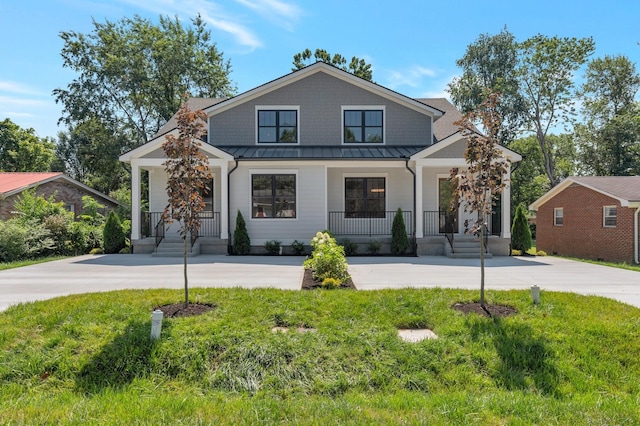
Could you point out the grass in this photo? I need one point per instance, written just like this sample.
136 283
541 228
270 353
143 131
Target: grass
622 265
27 262
88 359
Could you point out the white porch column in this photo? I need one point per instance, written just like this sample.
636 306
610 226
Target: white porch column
135 200
506 205
224 201
418 212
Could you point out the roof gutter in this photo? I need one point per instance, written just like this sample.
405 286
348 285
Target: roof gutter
229 245
415 214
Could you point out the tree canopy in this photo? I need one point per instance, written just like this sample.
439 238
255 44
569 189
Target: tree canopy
356 66
488 66
132 73
21 150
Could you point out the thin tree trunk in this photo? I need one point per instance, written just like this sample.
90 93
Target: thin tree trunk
186 281
482 302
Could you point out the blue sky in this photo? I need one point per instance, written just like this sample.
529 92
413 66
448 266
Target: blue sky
412 44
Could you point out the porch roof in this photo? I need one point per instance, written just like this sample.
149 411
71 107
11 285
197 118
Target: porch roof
321 152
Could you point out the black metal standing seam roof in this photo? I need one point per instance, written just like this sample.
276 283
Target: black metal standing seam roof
272 152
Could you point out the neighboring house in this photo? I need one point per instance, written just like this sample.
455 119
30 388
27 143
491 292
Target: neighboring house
592 217
319 149
48 184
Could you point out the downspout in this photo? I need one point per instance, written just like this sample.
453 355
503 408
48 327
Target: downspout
415 213
635 234
229 246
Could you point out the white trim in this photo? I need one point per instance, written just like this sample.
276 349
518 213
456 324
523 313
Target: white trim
365 175
272 172
382 108
508 154
332 71
605 216
555 216
442 162
295 108
156 143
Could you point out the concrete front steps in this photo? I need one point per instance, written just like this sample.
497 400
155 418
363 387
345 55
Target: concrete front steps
465 247
174 247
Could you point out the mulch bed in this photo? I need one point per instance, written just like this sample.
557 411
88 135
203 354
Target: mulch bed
308 283
178 310
496 311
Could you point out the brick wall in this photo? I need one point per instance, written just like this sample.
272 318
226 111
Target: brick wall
583 234
61 191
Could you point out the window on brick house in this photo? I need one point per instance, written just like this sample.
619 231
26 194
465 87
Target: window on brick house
610 216
558 216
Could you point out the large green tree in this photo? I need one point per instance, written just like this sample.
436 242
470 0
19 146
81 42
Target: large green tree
488 66
21 150
90 151
609 134
546 70
356 66
132 73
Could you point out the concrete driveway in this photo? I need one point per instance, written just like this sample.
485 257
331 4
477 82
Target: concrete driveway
89 273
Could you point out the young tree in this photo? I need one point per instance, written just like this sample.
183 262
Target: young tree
479 183
241 240
188 175
357 66
113 235
399 240
546 71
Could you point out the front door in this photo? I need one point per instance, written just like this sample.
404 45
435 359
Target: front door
448 210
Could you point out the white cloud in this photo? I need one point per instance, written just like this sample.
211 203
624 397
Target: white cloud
18 88
411 77
9 101
281 13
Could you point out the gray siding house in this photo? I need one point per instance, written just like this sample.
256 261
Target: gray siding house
317 149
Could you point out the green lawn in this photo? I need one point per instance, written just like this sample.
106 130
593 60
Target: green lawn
21 263
87 359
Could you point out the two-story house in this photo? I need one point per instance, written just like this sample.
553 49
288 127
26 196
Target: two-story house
318 149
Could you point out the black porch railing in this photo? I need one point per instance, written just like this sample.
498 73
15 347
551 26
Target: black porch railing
440 223
367 223
152 225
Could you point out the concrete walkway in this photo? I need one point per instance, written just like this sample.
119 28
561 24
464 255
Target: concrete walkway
89 273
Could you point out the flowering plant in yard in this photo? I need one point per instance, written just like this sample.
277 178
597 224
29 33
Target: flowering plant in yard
327 259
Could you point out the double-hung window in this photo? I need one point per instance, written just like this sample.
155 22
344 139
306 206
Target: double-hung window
364 197
610 216
363 126
558 216
273 195
277 126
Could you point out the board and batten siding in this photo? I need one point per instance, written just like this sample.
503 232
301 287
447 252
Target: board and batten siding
310 203
320 98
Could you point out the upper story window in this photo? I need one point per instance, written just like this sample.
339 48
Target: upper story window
277 125
558 216
610 216
363 125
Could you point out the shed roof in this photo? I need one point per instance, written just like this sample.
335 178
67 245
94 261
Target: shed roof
321 152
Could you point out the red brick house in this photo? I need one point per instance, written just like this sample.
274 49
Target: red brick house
591 217
55 184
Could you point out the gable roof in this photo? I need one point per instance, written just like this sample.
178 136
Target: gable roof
625 189
12 183
443 127
330 70
194 104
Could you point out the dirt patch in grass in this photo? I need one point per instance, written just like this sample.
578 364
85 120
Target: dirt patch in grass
177 310
499 311
308 283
